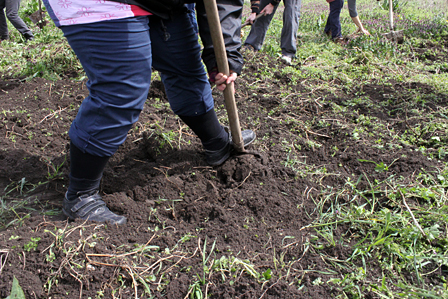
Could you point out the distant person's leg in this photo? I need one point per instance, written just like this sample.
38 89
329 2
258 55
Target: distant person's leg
12 13
4 34
259 28
334 16
230 12
291 16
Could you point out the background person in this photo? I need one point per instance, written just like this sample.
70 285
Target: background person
333 25
355 18
288 39
12 13
230 14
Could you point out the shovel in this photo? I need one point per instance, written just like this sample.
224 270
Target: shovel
393 35
223 67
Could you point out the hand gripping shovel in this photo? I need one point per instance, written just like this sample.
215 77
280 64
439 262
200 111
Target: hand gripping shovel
247 23
223 67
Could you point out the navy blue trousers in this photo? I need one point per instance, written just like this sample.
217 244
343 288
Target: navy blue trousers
333 20
192 16
117 56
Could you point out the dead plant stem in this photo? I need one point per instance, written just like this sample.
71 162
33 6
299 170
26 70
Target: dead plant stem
412 214
262 295
244 180
3 261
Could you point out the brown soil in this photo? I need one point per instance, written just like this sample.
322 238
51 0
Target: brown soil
252 207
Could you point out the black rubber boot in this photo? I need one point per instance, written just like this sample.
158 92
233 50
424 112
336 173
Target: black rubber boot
218 157
82 199
207 127
90 206
216 140
86 171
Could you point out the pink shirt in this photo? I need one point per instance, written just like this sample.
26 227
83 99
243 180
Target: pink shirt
71 12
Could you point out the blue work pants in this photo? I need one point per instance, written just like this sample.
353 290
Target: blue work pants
117 56
333 21
192 16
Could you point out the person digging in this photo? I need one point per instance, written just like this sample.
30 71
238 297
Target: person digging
118 55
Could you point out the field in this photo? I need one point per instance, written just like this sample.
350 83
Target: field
344 193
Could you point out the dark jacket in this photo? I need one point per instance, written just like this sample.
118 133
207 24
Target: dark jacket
161 8
230 16
230 13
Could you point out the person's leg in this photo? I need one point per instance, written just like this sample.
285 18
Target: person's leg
259 28
116 56
192 16
327 29
177 56
291 16
334 16
178 60
12 13
4 34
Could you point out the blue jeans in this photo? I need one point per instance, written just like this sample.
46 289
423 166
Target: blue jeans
117 56
333 20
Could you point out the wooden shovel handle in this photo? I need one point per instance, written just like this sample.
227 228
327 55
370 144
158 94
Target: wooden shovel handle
223 67
391 15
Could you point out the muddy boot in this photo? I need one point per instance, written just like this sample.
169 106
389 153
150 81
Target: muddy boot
218 157
340 41
215 139
82 199
90 206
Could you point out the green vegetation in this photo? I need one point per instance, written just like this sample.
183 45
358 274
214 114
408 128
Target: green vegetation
368 57
392 226
49 56
379 234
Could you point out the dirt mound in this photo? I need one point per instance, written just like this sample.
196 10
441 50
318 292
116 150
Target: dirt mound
234 231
